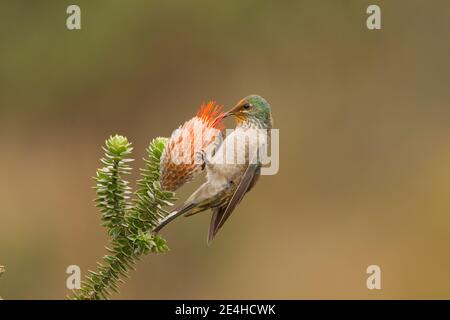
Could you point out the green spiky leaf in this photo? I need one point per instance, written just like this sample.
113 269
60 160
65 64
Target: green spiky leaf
128 222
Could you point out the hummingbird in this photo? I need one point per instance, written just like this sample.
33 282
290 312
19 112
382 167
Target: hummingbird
227 183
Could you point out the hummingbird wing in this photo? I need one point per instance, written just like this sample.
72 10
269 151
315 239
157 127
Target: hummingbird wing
221 214
213 227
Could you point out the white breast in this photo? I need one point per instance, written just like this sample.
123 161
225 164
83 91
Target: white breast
232 157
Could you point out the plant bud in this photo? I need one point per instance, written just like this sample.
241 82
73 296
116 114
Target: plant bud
180 161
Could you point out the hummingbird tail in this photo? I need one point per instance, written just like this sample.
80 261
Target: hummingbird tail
173 215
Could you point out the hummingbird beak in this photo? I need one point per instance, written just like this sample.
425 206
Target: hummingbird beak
227 114
220 118
232 112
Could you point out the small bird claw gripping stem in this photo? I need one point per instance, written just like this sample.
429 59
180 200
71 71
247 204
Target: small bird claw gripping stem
200 158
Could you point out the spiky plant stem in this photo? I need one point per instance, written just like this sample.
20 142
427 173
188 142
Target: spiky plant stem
129 222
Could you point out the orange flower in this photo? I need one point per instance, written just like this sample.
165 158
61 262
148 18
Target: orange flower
179 163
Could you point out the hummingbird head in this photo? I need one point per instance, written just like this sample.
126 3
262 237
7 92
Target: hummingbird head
253 110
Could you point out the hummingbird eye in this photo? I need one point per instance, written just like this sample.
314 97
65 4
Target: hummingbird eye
246 106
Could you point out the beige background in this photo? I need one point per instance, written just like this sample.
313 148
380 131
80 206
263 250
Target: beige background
364 121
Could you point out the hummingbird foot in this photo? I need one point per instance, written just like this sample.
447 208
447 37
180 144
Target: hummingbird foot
200 158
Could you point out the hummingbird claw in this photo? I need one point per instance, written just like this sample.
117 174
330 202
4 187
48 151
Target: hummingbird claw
200 158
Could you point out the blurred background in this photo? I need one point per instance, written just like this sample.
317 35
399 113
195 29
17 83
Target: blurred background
364 119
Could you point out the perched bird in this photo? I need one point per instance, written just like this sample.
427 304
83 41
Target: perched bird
228 181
